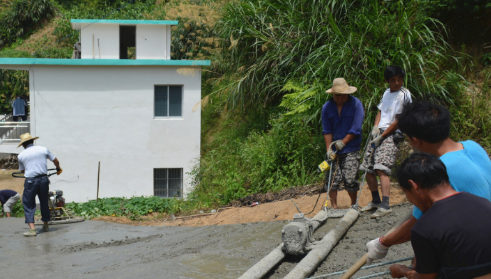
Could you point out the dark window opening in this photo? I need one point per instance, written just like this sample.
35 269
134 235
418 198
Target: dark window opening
127 42
167 183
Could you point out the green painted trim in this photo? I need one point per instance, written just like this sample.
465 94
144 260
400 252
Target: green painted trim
102 62
124 21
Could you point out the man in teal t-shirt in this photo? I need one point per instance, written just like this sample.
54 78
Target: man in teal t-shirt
468 165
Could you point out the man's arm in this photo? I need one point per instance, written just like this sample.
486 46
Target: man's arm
378 247
391 129
399 271
377 119
355 129
57 165
328 140
347 138
401 234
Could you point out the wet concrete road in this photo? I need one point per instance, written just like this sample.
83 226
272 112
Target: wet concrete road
93 249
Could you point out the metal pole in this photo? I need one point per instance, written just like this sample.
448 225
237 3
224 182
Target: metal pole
98 176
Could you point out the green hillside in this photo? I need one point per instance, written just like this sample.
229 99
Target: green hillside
271 62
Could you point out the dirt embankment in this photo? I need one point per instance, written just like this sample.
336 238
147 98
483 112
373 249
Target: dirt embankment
272 207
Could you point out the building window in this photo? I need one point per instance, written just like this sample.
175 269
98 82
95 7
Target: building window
167 183
168 101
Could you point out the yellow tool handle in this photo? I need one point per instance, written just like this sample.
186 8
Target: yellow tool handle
363 260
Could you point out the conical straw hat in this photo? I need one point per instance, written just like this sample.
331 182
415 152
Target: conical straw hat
340 86
26 137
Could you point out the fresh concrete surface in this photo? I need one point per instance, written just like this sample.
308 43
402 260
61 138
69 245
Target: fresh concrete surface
93 249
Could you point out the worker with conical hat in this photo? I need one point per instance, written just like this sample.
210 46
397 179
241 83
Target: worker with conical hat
342 118
33 164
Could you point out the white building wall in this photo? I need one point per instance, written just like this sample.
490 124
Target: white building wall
100 41
152 41
87 114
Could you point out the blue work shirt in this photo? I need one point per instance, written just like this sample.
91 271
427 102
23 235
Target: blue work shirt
5 195
349 122
469 170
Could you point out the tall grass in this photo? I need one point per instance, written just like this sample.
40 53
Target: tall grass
312 42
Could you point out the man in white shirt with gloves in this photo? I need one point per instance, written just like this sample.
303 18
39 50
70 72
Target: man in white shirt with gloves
33 164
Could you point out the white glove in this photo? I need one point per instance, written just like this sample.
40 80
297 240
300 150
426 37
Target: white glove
375 131
376 250
339 145
377 141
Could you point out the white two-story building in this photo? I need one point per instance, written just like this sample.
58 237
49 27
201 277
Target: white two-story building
134 116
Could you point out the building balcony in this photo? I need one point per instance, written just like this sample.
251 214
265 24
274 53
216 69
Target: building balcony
10 132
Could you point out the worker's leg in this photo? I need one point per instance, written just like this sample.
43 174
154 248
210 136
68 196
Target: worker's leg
333 196
384 160
29 203
350 165
43 198
368 163
336 179
384 183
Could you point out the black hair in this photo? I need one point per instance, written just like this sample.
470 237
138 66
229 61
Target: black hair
425 121
26 143
393 71
425 169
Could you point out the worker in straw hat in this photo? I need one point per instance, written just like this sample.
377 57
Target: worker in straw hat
33 164
342 118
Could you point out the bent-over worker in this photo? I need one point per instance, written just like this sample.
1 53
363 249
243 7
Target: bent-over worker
8 198
451 239
342 118
32 162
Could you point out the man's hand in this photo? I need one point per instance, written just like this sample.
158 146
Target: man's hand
377 141
376 250
339 145
375 131
330 155
59 171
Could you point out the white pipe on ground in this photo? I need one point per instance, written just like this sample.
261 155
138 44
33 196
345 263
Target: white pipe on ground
310 262
260 269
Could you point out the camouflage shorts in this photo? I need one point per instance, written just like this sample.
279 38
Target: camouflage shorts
345 172
383 159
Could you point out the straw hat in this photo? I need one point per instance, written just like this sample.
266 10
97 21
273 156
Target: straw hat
340 86
26 137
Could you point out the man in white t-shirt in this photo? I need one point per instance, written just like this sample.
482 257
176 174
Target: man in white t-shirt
33 164
385 140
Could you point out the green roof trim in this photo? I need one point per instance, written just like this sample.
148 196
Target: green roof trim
102 62
125 21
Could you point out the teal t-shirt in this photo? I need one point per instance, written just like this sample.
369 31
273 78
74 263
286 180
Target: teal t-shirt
469 170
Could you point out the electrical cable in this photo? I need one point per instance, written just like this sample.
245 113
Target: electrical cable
328 187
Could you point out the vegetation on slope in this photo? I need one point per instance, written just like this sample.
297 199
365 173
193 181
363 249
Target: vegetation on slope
278 60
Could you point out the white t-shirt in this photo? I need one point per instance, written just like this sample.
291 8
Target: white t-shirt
391 104
33 160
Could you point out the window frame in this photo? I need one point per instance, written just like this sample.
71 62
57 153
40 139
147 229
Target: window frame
167 179
168 103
